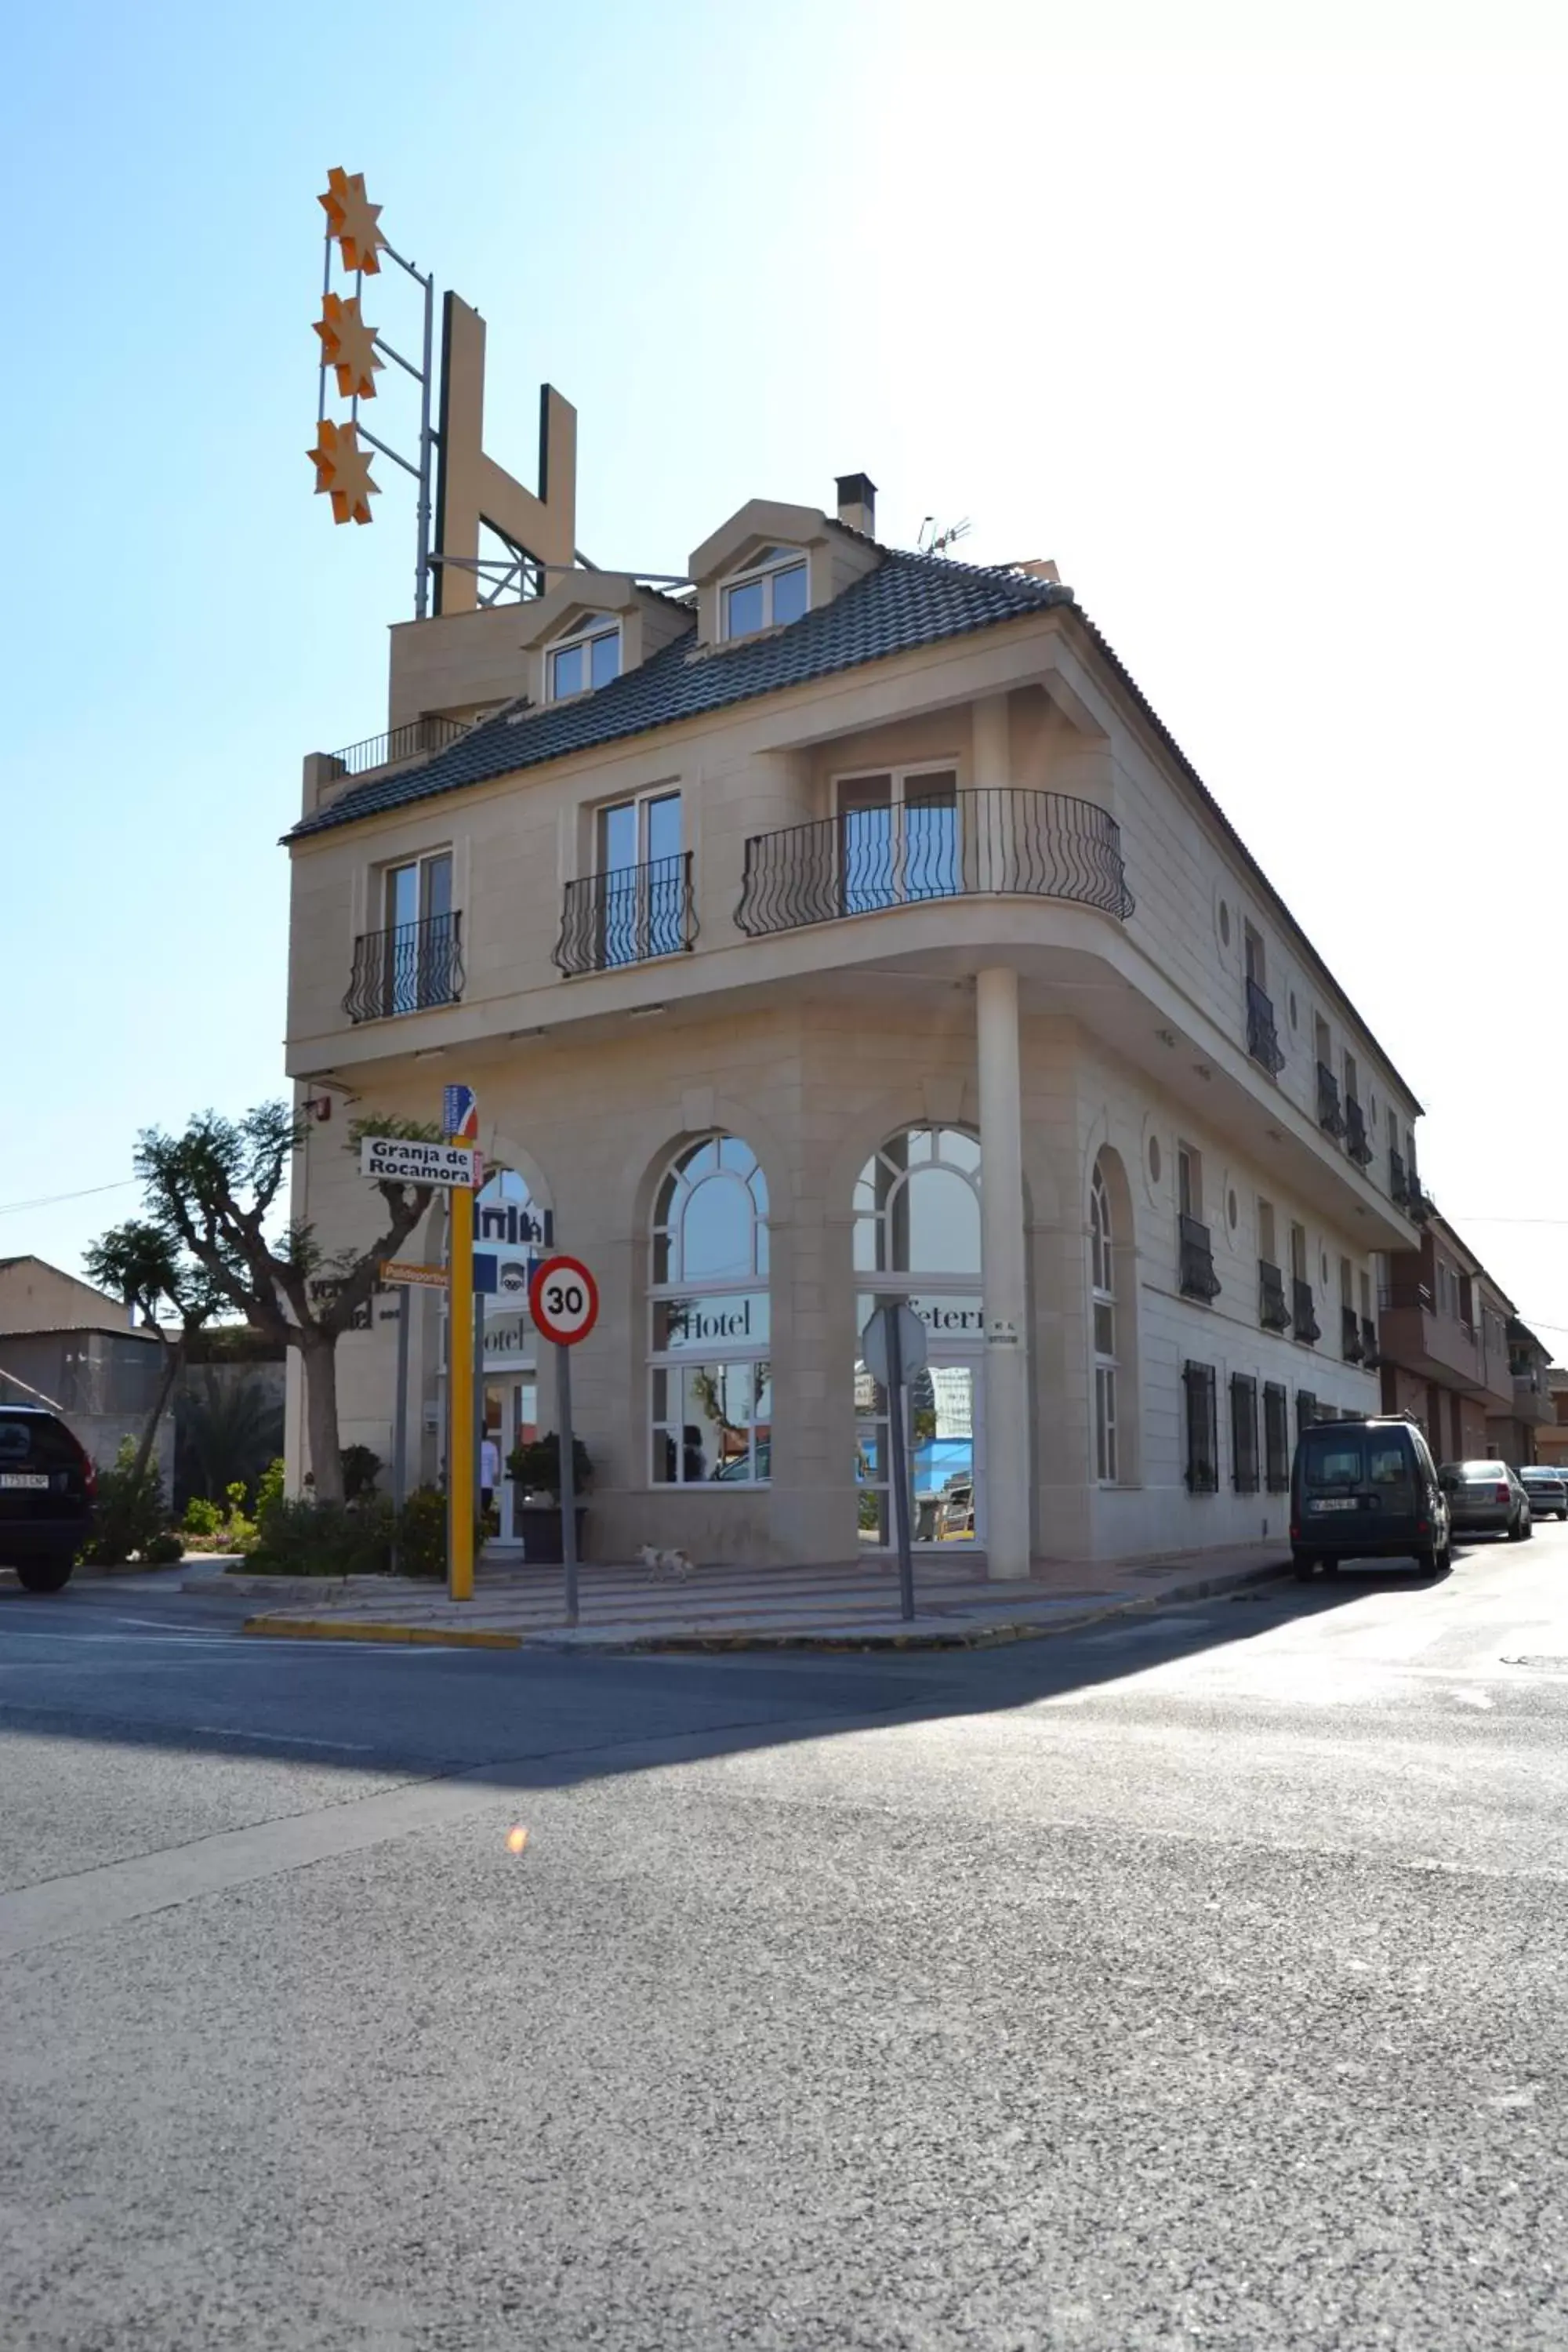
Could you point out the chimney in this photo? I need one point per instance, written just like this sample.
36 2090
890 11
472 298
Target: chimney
857 503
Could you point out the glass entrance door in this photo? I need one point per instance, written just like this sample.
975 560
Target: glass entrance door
945 1448
518 1425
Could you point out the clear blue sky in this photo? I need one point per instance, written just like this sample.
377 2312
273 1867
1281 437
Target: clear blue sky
1262 343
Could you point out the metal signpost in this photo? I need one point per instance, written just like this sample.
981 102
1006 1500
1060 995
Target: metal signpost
458 1169
564 1300
404 1275
892 1346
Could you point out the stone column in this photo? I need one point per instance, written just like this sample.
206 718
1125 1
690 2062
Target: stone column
1002 1278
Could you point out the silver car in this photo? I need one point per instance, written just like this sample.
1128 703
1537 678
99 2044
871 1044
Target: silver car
1486 1498
1548 1492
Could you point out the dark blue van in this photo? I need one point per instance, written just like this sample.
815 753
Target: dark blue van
1366 1488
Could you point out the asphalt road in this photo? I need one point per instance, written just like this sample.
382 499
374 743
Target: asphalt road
1194 1980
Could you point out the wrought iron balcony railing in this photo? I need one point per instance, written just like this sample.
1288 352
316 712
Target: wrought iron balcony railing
1369 1354
415 741
407 968
1003 841
1351 1346
1356 1144
1398 1182
1262 1041
627 915
1273 1311
1302 1312
1421 1205
1198 1278
1331 1117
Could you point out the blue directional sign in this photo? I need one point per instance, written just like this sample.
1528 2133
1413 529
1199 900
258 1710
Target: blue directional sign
460 1114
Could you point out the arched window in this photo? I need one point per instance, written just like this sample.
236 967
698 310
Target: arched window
1102 1280
711 1383
917 1237
917 1206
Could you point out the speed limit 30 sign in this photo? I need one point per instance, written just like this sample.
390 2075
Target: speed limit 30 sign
564 1300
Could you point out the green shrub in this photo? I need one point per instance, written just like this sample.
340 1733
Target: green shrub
268 1491
202 1518
163 1549
130 1510
304 1538
422 1534
536 1466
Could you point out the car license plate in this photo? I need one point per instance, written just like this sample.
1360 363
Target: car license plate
34 1479
1337 1503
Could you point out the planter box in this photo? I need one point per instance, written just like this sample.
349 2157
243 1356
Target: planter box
539 1525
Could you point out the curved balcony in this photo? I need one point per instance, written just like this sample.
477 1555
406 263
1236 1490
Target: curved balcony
407 968
1000 842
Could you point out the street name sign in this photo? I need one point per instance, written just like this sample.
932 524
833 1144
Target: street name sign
397 1269
393 1158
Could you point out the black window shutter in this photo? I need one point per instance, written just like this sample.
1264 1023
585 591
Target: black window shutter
1203 1429
1276 1436
1243 1433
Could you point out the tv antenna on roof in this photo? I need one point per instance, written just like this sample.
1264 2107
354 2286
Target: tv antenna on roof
932 541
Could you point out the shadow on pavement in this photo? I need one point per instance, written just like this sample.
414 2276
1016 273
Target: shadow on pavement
145 1671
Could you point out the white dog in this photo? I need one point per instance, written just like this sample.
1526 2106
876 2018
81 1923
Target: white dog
657 1563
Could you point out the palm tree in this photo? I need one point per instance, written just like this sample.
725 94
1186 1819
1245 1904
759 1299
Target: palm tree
144 1264
228 1431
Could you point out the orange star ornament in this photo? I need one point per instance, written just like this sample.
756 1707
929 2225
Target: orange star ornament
353 218
349 345
343 470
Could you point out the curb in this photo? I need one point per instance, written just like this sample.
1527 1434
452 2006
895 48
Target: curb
959 1637
328 1628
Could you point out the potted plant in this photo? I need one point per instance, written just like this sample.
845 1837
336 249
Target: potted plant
534 1468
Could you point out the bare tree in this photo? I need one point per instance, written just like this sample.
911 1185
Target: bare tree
217 1190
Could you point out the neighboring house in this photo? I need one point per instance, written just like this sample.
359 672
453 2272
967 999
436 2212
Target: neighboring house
1517 1435
1552 1436
1443 1326
848 927
64 1344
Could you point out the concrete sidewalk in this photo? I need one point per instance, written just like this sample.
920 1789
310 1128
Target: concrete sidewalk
851 1607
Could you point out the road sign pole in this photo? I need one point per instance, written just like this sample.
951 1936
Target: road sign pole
460 1398
563 1301
568 1483
478 1403
400 1419
898 1461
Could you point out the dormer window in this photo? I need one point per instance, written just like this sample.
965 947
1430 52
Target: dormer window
770 591
588 655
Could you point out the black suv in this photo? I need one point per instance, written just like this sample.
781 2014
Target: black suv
1366 1488
46 1487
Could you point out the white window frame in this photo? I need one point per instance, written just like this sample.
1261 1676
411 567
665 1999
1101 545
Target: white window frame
642 802
582 634
1193 1158
424 860
763 572
679 1361
400 992
899 782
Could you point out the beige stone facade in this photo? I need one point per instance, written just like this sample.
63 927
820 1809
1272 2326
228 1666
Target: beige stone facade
1035 822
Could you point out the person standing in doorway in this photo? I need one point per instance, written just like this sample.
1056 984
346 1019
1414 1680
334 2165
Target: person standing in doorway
489 1471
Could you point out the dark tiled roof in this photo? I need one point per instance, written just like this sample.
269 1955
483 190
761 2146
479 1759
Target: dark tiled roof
909 601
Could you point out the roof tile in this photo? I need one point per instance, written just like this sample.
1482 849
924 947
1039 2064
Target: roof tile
908 601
